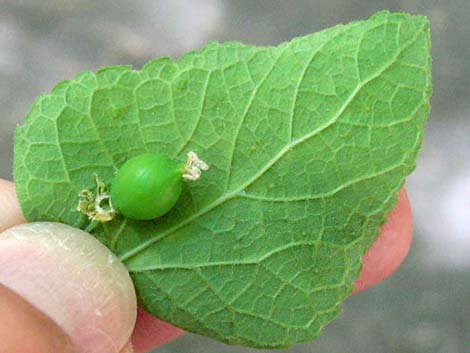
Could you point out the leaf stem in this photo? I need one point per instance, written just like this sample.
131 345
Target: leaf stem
92 225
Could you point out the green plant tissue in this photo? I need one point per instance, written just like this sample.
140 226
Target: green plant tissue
308 144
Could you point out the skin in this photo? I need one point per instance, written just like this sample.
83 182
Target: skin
24 328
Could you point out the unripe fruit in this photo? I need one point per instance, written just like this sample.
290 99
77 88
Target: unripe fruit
147 186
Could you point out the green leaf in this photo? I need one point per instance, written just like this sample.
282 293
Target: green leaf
308 142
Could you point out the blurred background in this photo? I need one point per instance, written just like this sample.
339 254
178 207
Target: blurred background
425 306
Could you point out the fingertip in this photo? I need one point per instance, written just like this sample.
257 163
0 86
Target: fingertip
390 248
72 278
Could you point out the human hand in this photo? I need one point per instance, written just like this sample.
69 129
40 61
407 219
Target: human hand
74 320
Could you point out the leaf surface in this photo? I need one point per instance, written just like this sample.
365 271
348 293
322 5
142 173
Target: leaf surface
308 142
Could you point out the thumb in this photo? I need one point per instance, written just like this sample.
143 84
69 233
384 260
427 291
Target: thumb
72 278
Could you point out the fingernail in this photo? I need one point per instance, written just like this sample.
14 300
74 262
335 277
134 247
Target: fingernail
74 279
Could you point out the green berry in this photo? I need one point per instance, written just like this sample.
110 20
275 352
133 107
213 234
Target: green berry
147 186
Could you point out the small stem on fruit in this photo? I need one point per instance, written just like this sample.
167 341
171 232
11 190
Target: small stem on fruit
91 226
194 166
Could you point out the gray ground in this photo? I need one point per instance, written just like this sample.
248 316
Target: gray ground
425 306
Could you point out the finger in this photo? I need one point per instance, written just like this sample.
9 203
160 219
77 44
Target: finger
150 332
10 211
390 248
72 278
23 328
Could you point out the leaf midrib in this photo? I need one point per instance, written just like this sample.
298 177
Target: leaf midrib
230 195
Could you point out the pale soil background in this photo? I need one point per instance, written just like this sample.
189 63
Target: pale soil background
425 306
